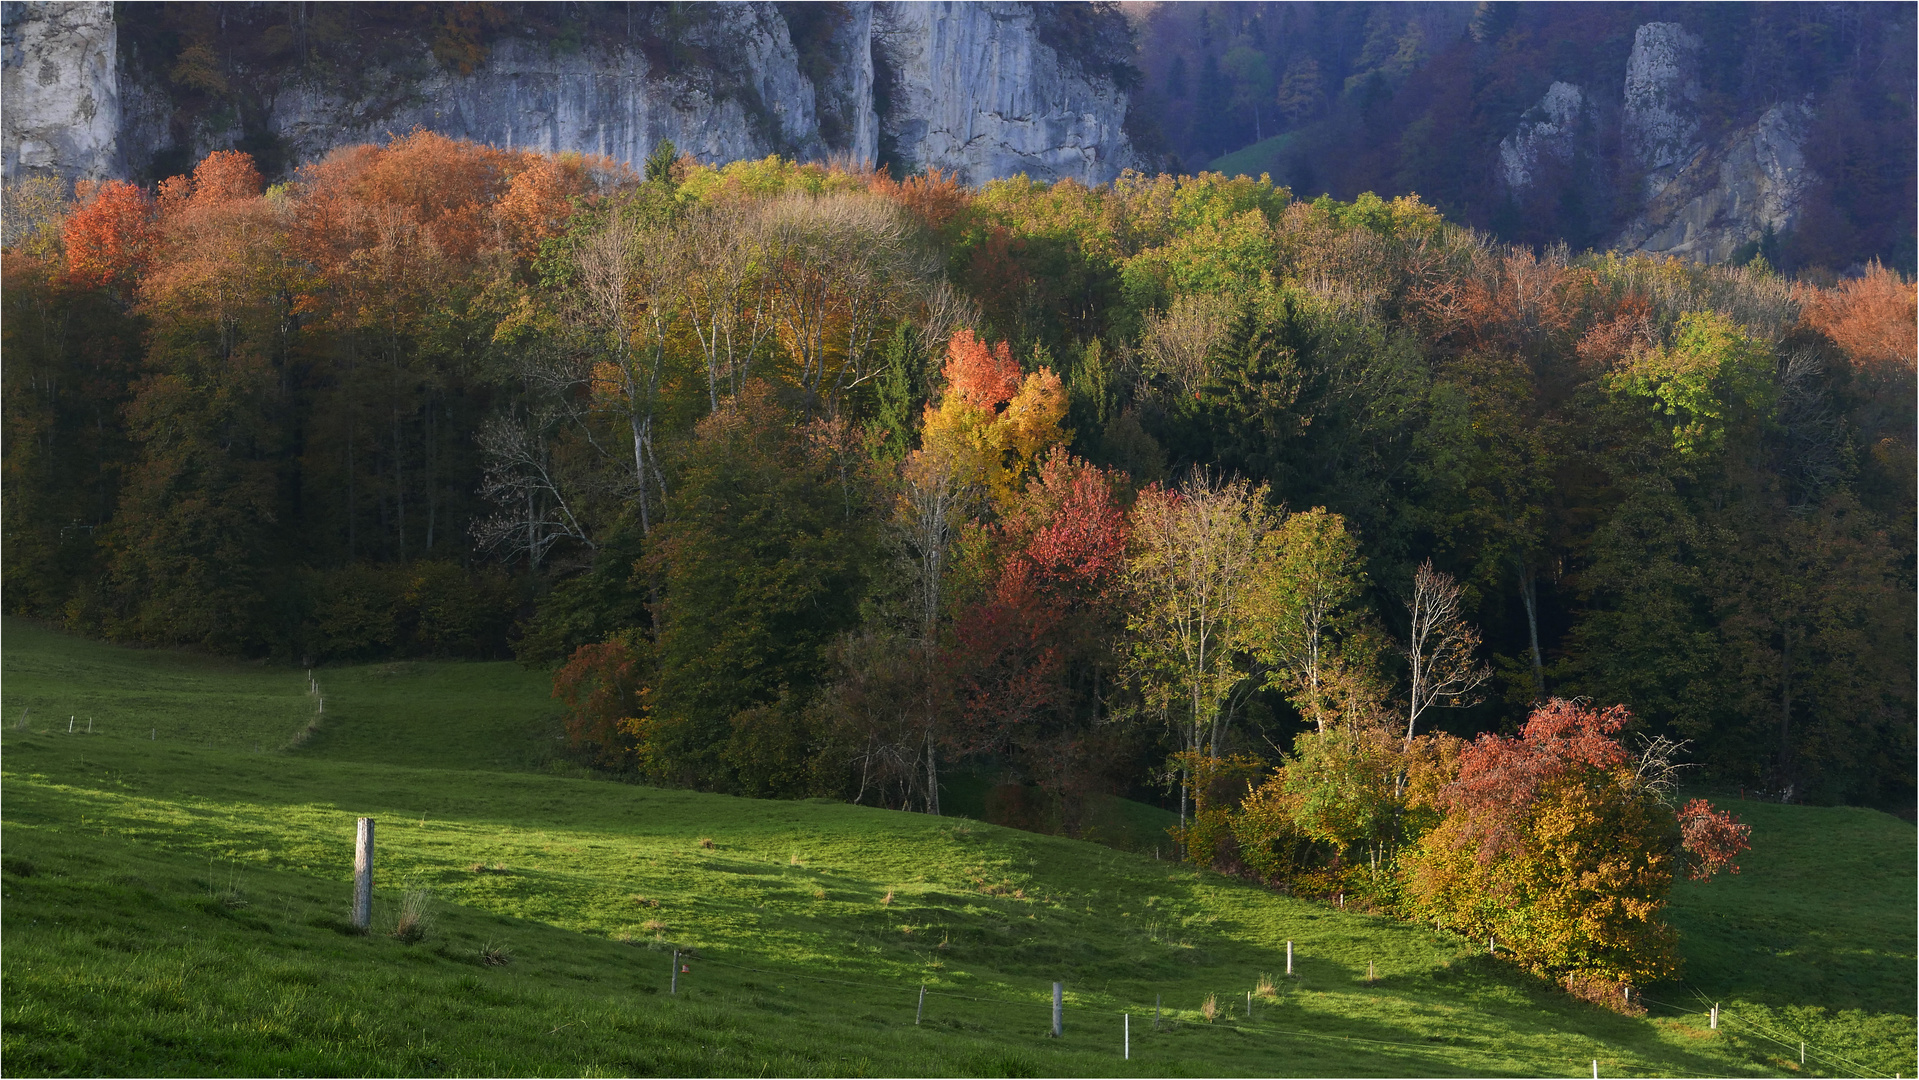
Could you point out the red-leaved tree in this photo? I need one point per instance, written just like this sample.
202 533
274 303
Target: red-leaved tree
1028 661
602 687
982 376
1560 846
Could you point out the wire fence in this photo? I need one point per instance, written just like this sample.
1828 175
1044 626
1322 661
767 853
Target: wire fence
1809 1051
1452 1050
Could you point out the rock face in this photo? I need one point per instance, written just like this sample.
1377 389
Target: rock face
1661 115
1694 199
1721 201
980 95
606 101
970 89
59 93
1545 133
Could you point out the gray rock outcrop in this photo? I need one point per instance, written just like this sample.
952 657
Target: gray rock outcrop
59 94
1723 200
1661 116
1545 133
981 96
972 90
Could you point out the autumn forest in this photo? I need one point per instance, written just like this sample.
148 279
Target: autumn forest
1342 530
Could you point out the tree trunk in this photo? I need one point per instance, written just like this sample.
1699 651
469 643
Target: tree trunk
1529 595
932 779
639 471
1785 711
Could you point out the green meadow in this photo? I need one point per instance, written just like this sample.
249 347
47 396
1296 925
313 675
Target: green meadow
176 889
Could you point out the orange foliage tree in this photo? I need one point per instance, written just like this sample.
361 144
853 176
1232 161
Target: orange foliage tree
1874 318
109 235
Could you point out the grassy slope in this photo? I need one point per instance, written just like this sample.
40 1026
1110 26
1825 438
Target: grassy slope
1253 158
182 916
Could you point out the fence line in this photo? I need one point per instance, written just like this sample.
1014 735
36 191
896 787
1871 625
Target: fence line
1041 998
1762 1032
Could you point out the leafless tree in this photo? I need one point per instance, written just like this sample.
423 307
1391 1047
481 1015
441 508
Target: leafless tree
939 483
946 311
631 282
521 479
845 264
1178 342
728 289
1445 673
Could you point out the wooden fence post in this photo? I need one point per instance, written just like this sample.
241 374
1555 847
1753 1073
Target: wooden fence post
921 1011
363 875
674 987
1059 1001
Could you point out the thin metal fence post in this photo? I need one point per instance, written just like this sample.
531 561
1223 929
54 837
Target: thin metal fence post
921 1011
674 987
1059 1001
1128 1055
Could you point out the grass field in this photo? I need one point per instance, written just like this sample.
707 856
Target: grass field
174 902
1254 158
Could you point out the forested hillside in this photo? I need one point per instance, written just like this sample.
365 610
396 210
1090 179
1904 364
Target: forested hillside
812 481
1438 98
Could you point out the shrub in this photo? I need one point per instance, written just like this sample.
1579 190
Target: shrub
601 686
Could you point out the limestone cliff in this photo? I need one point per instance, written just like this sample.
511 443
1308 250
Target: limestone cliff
1724 200
979 94
1662 100
1705 200
59 95
1546 133
969 87
1691 196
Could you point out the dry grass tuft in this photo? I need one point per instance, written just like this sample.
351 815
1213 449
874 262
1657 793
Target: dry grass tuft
1266 987
653 926
706 842
888 898
1210 1008
416 916
646 902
